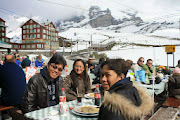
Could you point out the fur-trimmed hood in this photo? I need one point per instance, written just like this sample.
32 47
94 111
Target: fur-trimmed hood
124 106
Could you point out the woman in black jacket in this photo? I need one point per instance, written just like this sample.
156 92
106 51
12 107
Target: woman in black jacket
123 101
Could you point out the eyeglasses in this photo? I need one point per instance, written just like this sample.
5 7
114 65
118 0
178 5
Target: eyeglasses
141 61
79 67
55 67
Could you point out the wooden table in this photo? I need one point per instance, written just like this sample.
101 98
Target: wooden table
165 114
172 102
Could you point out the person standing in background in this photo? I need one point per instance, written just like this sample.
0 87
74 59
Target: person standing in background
26 62
90 63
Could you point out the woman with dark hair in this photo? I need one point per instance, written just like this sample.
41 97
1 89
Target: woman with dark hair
77 82
124 100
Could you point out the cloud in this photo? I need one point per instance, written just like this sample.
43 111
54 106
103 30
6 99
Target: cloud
63 9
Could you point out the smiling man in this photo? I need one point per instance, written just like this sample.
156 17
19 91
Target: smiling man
43 88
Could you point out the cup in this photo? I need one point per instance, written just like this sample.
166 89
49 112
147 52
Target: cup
79 99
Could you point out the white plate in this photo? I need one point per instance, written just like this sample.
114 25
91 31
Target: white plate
75 111
88 96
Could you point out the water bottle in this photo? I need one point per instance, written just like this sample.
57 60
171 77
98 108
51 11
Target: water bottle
97 96
62 102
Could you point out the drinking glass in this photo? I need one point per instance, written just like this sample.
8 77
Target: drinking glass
79 99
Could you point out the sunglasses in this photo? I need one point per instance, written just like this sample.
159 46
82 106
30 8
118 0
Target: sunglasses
55 67
141 61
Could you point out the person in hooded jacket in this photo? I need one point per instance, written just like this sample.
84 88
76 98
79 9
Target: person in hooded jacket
43 88
123 101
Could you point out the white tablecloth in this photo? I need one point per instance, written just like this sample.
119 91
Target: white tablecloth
158 88
45 113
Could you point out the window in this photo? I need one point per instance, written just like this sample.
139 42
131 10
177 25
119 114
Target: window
3 34
34 35
2 28
31 31
44 36
23 46
24 27
27 31
31 21
27 26
38 45
31 26
33 46
38 30
34 30
44 31
24 31
3 39
38 26
34 25
24 36
31 36
15 46
28 46
27 36
38 35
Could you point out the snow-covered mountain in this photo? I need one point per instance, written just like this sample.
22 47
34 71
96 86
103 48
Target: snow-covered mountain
121 21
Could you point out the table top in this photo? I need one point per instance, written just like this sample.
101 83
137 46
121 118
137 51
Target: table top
172 102
158 88
45 113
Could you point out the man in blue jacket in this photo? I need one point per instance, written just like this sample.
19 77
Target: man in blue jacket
12 82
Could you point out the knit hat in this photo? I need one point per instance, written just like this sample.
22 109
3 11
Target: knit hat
176 70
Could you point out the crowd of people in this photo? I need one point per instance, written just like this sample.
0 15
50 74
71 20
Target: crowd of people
117 77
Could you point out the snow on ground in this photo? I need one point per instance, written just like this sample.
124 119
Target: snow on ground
157 54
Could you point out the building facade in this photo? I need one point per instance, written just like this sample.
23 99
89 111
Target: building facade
39 36
2 30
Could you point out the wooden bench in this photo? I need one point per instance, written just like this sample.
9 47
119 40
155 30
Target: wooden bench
172 102
164 114
4 108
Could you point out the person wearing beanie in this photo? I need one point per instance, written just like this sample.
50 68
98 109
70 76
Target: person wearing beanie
174 84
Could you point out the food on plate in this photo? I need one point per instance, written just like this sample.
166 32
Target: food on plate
71 108
91 95
88 109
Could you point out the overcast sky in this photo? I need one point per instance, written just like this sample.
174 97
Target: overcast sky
62 9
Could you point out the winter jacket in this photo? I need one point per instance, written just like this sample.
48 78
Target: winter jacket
13 84
125 102
150 70
39 63
37 95
174 86
25 63
73 82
